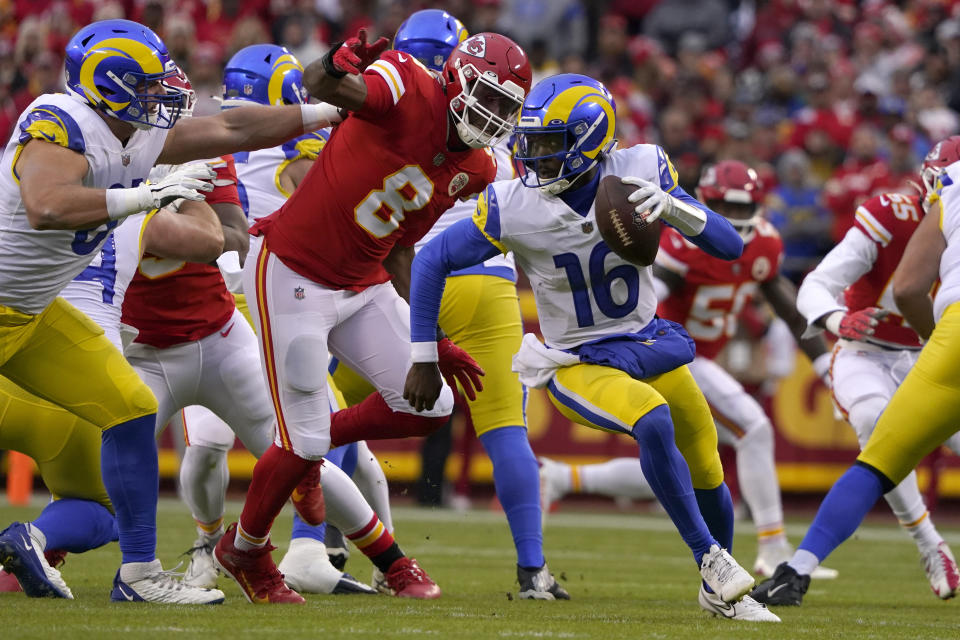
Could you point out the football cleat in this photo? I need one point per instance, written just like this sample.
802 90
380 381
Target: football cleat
769 559
539 584
202 571
162 587
941 570
786 587
552 483
721 572
21 554
306 569
254 571
746 608
307 497
406 579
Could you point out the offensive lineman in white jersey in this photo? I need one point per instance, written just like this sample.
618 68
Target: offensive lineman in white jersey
72 170
610 363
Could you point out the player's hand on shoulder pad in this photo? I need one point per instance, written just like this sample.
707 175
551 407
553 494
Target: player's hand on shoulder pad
856 325
188 181
649 198
456 365
423 385
356 54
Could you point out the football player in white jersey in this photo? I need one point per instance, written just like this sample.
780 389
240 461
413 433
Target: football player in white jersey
609 363
71 172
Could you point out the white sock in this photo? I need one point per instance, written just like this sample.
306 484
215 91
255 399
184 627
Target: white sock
923 532
804 562
134 571
346 508
757 474
620 477
203 483
369 477
246 542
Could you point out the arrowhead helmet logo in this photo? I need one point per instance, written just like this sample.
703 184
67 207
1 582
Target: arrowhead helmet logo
475 46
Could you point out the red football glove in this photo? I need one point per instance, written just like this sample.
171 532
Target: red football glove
859 325
355 54
456 364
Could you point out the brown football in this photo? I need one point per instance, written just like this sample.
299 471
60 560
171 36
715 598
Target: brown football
621 227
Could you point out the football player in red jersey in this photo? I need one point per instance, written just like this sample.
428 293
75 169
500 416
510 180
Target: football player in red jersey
850 294
706 295
321 265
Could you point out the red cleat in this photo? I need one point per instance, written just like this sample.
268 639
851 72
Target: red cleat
55 557
8 583
254 571
307 498
406 579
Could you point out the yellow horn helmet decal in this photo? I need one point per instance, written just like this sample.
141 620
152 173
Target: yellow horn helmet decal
281 66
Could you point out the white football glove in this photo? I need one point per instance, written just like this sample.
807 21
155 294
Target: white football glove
186 181
655 203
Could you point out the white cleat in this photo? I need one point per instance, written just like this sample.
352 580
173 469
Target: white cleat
161 587
202 571
746 609
941 570
728 579
554 477
769 559
307 569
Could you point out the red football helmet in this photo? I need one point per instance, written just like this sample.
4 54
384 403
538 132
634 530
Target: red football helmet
180 83
733 189
943 154
487 77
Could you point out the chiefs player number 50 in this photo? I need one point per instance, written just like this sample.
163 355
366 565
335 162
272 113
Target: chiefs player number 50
715 308
382 211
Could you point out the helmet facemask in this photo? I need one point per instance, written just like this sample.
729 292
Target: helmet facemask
485 110
150 100
552 154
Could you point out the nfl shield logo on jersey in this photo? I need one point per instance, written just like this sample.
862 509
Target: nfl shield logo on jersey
299 293
124 159
587 227
459 182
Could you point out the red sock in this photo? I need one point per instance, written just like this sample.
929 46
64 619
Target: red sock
373 419
275 476
376 543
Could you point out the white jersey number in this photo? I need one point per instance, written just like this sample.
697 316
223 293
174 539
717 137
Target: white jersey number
382 211
709 317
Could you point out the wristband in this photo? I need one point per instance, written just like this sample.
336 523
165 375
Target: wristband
832 323
689 220
423 352
318 116
327 62
125 202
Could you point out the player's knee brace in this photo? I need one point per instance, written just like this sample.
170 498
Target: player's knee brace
863 416
301 365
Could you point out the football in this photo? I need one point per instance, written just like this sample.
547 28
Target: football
621 227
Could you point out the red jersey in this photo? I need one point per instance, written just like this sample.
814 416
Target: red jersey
715 291
169 301
889 220
384 178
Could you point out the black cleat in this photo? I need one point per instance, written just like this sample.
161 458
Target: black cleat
539 584
786 587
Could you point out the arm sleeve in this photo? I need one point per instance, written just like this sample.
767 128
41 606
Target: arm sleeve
460 246
718 238
224 183
820 291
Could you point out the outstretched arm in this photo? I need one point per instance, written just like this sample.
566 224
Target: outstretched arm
336 77
917 271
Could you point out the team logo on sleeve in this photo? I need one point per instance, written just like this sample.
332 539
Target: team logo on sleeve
761 268
459 182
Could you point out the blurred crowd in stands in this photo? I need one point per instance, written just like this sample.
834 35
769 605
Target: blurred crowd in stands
831 101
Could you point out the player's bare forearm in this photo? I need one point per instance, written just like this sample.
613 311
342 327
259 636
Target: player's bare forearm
294 173
51 186
397 263
781 294
244 128
194 234
235 228
348 92
918 271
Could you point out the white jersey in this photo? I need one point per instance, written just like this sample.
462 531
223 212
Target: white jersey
36 265
258 172
100 288
501 265
582 289
949 291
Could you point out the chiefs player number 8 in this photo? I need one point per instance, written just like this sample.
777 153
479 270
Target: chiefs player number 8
382 211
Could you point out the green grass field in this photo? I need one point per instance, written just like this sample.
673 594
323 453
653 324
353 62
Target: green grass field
630 576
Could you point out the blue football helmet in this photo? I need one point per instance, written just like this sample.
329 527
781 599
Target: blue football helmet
117 66
430 36
567 120
265 74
